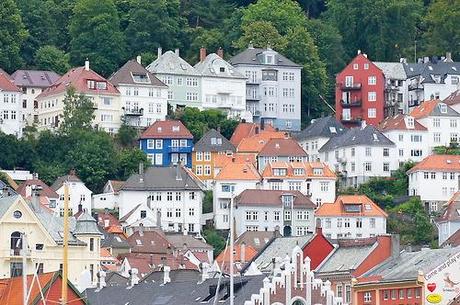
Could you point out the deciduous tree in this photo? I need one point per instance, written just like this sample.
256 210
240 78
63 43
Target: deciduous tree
78 112
51 58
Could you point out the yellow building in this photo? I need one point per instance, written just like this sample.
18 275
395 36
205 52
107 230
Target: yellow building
35 227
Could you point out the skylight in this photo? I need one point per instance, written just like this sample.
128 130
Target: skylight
332 129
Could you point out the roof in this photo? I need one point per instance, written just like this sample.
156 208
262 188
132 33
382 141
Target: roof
163 178
78 79
326 127
238 171
427 70
34 78
45 191
453 98
60 180
452 210
254 56
151 241
147 262
6 203
453 240
399 122
367 136
170 63
345 205
169 129
221 160
116 185
107 220
6 84
213 141
255 143
442 163
124 76
244 130
282 147
179 275
86 225
256 239
432 108
392 70
306 171
215 66
249 253
116 241
265 198
179 240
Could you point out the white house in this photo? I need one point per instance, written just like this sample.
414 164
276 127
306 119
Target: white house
313 179
173 193
140 217
410 137
108 199
10 106
144 98
395 88
230 182
435 179
278 150
80 195
290 212
352 216
449 222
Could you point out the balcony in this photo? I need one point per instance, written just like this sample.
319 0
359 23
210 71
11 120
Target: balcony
253 98
349 87
348 104
133 112
255 112
390 87
351 120
416 86
253 82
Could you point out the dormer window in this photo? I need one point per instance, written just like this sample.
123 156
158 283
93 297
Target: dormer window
317 171
443 108
299 171
175 128
91 84
410 122
222 69
141 78
287 200
101 85
279 172
269 59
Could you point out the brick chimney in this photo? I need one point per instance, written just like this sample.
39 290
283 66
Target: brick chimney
202 54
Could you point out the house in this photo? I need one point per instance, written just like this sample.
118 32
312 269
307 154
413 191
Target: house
289 212
317 134
80 195
287 150
252 145
222 86
409 136
10 106
43 238
411 278
32 83
141 217
359 154
167 142
46 195
233 179
273 90
246 130
452 241
313 179
143 96
206 151
449 221
435 179
352 216
6 190
106 98
442 122
108 199
453 100
183 80
116 244
242 254
173 193
257 239
395 87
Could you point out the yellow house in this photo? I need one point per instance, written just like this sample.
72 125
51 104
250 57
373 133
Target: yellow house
33 227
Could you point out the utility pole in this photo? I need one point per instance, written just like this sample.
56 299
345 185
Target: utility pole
232 237
24 268
65 245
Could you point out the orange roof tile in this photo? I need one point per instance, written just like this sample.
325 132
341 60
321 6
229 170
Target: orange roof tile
442 163
105 254
169 129
257 142
424 109
307 166
282 147
223 159
451 212
398 122
244 130
238 171
6 83
249 252
368 207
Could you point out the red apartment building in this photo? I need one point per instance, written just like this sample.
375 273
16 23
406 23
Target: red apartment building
359 93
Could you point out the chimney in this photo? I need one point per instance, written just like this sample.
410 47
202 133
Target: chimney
426 59
178 175
166 278
449 57
101 280
28 191
220 53
202 54
80 208
365 55
176 51
159 52
87 65
139 59
359 52
36 198
133 278
395 245
243 252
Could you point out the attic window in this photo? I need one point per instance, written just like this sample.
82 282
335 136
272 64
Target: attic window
101 85
213 141
269 59
352 208
317 171
257 241
443 108
141 78
332 129
299 171
175 128
375 137
222 69
410 122
138 242
159 129
367 206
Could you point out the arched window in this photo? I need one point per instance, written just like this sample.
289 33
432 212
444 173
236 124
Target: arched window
16 243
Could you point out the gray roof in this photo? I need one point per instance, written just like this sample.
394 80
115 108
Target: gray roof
178 241
179 275
253 56
6 203
34 78
163 178
450 111
86 225
110 240
346 259
427 70
367 136
326 127
206 143
392 70
116 279
124 75
212 66
170 63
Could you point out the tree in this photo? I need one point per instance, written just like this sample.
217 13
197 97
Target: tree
207 202
261 34
206 13
51 58
215 240
78 112
128 162
126 135
61 11
12 36
95 35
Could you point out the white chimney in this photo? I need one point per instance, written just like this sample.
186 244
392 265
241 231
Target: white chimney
101 284
87 65
133 278
159 52
139 59
166 278
359 52
243 252
176 51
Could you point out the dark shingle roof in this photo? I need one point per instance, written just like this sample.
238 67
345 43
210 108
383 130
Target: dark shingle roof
124 75
253 56
110 240
210 142
427 69
268 198
60 181
34 78
326 127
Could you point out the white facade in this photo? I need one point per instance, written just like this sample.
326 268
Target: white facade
352 226
29 112
442 130
11 113
105 201
78 193
312 147
411 145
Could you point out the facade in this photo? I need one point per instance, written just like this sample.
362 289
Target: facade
141 217
449 221
167 142
80 195
173 193
106 98
143 95
273 91
36 188
108 199
313 179
435 179
290 212
352 216
10 106
32 83
453 100
395 89
279 150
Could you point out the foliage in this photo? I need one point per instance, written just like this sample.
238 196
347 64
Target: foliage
78 112
51 58
207 202
213 238
206 13
126 135
261 34
128 162
447 150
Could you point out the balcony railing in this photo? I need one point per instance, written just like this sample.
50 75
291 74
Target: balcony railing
416 86
134 112
353 86
253 97
351 120
346 104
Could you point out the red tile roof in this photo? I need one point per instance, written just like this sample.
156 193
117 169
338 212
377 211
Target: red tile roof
453 240
442 163
254 144
368 207
224 256
238 171
169 129
245 130
291 166
282 147
452 211
424 109
267 198
221 160
398 122
6 83
152 241
453 98
107 220
45 192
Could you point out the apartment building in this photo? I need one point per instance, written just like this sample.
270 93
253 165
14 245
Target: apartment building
10 106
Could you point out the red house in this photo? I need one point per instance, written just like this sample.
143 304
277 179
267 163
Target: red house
359 93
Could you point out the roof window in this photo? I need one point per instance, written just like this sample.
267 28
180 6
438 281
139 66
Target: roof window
443 108
141 78
175 128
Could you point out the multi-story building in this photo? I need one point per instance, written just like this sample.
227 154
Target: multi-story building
317 134
173 193
108 199
10 106
32 83
291 212
409 136
143 95
206 151
229 183
167 142
183 80
313 179
453 100
449 222
106 99
279 150
79 194
272 88
359 154
435 179
352 216
395 89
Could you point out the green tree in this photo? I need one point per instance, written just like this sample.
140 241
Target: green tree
206 13
51 58
214 239
128 162
12 36
207 202
78 112
212 40
261 34
95 35
61 12
126 135
49 171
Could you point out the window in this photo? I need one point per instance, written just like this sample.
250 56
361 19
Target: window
169 196
437 137
199 156
191 81
416 153
372 80
191 96
347 294
393 294
417 293
158 144
368 166
401 293
401 152
39 268
453 136
143 214
287 215
372 96
178 212
367 297
452 176
324 186
368 151
386 152
352 151
433 175
327 223
277 216
159 159
372 113
178 196
366 66
355 66
251 215
386 167
91 244
191 227
302 215
409 293
359 223
436 122
169 212
207 156
207 170
16 269
453 123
